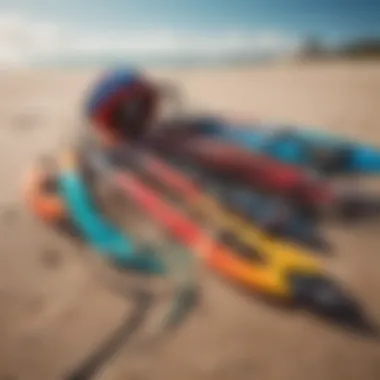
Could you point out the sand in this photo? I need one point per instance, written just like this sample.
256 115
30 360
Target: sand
55 299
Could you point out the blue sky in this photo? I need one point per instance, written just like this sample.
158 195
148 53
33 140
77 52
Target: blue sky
245 23
327 18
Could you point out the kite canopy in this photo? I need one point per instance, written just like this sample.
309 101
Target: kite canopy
121 104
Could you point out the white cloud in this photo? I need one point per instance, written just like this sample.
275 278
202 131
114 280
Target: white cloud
23 40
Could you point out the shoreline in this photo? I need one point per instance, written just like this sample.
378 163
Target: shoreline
289 62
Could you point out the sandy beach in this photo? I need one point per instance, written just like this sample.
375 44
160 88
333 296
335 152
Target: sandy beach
55 299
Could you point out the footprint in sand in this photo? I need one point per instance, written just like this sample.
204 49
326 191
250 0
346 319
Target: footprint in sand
26 121
51 258
8 214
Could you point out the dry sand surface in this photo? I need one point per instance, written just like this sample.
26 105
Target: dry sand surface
55 304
